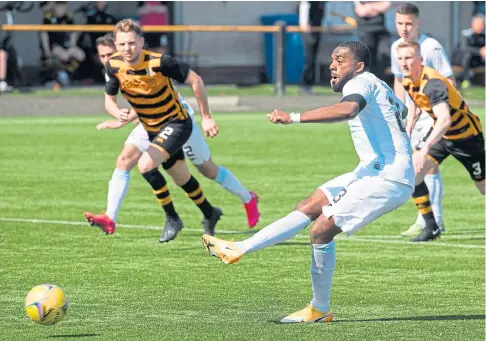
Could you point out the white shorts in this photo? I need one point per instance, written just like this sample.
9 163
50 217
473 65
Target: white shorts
422 126
355 202
196 149
421 129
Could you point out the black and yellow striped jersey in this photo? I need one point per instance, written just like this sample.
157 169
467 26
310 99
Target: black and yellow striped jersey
148 87
433 89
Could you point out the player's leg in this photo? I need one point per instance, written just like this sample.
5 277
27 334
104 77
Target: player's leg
481 185
355 206
176 167
167 142
281 230
434 183
197 150
432 180
136 143
437 154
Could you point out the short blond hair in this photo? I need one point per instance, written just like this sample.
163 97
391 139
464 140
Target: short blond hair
412 44
127 25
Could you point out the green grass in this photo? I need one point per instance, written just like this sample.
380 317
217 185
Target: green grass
474 93
130 287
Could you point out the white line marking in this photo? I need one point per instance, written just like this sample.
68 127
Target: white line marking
148 227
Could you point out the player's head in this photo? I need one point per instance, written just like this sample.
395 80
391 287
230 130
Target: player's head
407 22
347 60
128 40
105 45
477 24
409 59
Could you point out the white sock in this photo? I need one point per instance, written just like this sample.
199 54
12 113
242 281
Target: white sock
229 182
322 269
275 233
117 189
435 186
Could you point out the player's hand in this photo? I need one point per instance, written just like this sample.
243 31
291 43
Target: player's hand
111 124
279 117
419 158
210 127
122 114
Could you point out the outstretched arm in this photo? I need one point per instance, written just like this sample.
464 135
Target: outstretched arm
335 113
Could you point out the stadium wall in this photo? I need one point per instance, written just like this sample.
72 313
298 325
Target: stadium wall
245 51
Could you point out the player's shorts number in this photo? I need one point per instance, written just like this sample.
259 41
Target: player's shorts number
477 168
166 132
339 195
188 151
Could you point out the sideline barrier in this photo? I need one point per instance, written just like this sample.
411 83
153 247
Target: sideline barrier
279 42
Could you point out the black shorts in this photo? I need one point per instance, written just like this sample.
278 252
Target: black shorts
469 152
171 139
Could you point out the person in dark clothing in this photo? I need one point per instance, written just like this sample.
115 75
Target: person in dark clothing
472 52
96 14
370 16
311 14
61 45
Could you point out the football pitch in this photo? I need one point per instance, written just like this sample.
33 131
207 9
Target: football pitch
130 287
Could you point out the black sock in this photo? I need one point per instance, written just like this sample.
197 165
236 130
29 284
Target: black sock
159 187
421 198
195 193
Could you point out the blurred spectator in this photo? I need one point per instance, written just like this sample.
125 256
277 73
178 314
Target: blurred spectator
61 45
370 16
96 14
479 8
4 87
311 14
154 13
472 50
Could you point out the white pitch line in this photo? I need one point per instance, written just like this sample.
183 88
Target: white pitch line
148 227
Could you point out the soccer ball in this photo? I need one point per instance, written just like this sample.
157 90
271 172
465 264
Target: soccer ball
46 304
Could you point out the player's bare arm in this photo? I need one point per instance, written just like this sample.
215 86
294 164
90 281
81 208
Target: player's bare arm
441 111
412 118
207 122
117 124
335 113
112 108
399 89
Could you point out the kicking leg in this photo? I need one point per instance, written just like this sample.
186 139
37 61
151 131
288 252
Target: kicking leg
281 230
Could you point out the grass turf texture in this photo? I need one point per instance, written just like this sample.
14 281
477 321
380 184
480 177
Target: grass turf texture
130 287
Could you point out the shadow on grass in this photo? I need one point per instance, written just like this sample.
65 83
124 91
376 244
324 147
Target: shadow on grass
74 335
411 318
